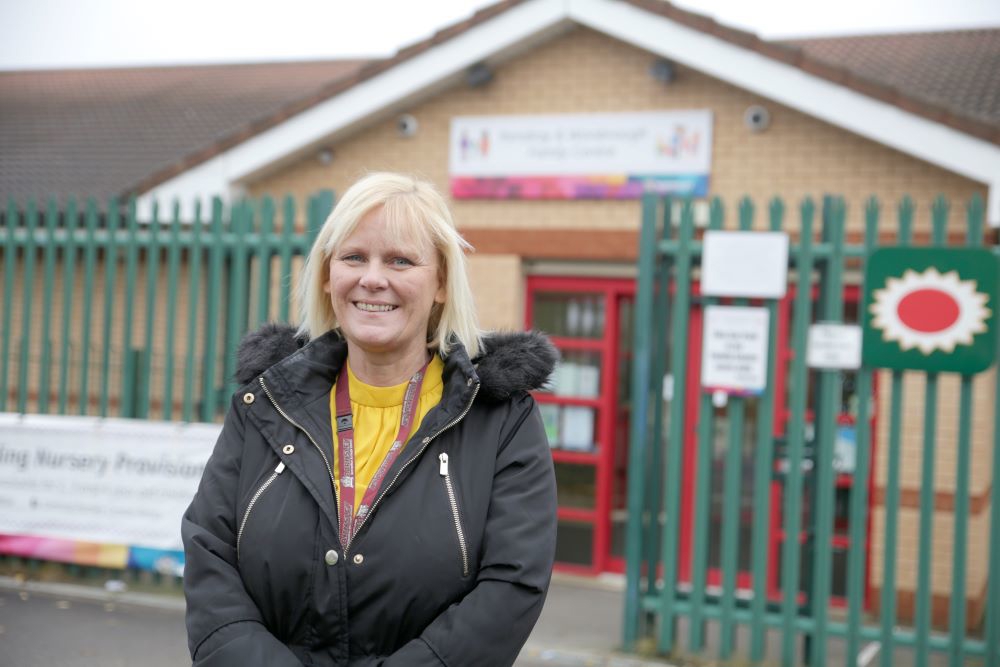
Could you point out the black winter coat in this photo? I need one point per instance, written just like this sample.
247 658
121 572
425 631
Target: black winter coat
448 569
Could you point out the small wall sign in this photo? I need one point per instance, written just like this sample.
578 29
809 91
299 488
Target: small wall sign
734 349
932 309
833 346
750 264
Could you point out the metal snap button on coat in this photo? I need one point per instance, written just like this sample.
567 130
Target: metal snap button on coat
288 449
331 557
248 398
358 559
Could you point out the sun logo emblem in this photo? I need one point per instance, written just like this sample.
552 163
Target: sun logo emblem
929 311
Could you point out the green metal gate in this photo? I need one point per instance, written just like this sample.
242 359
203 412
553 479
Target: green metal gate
799 625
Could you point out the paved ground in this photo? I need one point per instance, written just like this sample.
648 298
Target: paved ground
42 625
46 625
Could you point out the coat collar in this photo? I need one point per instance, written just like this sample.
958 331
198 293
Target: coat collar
511 362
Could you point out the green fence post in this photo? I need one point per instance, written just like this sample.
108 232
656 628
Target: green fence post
858 513
127 408
939 215
194 292
888 606
959 566
238 291
49 248
110 269
797 387
703 485
830 381
69 280
210 397
675 440
173 276
763 466
263 251
145 389
9 262
285 275
992 623
652 537
28 298
638 427
90 260
732 490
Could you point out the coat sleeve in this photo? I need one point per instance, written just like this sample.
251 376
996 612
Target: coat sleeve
489 626
223 623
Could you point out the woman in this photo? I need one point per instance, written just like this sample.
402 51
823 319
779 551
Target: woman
383 494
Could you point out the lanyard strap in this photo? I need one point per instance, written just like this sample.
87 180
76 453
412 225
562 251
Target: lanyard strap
345 436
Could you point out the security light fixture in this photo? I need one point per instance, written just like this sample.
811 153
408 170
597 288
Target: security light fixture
663 70
478 75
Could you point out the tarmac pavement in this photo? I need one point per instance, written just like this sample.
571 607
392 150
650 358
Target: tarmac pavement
70 625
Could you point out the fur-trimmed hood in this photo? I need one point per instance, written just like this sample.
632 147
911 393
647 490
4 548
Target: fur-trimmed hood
509 362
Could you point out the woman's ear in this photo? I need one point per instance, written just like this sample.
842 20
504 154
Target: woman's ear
326 275
442 292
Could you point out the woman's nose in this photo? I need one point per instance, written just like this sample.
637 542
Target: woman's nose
374 276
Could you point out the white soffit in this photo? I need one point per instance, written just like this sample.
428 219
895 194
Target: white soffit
884 123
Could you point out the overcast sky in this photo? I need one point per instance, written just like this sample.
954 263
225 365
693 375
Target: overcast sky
94 33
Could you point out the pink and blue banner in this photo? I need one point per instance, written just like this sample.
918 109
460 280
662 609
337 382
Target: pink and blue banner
581 156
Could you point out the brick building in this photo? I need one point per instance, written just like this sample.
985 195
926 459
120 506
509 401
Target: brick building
889 115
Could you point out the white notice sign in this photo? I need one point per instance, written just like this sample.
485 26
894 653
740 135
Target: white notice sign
834 346
734 349
750 264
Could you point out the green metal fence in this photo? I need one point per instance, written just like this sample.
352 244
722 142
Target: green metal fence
106 314
750 623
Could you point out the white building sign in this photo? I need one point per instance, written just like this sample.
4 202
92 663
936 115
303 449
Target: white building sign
581 156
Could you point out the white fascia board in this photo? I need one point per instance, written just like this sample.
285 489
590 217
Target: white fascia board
216 176
838 105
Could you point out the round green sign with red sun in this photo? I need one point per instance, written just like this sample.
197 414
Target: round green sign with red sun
932 309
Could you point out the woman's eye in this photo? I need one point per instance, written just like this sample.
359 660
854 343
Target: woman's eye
402 261
351 258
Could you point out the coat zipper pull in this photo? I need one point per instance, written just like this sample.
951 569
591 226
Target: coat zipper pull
443 458
280 468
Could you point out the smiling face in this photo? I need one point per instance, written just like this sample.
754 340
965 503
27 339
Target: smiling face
382 291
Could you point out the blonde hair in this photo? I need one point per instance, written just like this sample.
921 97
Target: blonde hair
414 211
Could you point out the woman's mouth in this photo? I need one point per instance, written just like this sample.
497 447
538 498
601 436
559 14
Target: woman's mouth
374 307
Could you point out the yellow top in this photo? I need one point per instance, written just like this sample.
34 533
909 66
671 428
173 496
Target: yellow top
376 413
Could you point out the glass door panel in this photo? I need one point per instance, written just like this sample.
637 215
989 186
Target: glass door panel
569 314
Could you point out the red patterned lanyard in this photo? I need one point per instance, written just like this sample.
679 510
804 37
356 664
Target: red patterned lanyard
345 437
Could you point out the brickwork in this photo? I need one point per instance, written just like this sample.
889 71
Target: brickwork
498 285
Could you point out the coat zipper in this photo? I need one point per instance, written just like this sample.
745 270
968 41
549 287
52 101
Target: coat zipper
253 501
443 458
423 445
294 423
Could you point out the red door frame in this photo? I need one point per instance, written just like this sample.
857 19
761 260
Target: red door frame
606 405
